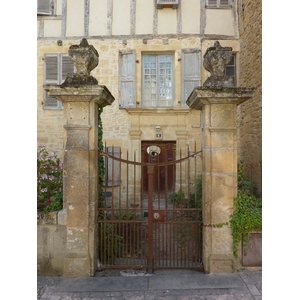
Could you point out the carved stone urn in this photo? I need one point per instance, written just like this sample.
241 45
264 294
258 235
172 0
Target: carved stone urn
85 58
215 61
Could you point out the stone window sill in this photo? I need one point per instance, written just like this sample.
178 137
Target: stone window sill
220 7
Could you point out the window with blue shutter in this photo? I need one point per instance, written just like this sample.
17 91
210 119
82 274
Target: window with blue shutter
190 72
218 3
127 79
56 68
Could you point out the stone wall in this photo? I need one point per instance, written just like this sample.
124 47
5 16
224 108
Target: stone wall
250 74
51 243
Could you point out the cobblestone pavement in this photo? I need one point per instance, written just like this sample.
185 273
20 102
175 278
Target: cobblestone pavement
164 284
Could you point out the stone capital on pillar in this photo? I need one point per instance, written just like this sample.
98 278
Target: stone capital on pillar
219 169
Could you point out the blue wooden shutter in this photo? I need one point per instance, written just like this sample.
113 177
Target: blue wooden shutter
66 67
224 2
127 79
190 72
44 7
51 76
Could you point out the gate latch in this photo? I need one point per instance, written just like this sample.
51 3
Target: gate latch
158 215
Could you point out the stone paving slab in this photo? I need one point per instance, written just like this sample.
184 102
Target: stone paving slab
103 284
195 281
164 285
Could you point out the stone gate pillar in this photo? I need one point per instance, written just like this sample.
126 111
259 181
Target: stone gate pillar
81 95
218 102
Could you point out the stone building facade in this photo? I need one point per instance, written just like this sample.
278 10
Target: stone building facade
127 33
250 74
150 59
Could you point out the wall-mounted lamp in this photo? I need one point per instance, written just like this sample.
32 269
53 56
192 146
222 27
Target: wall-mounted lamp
157 127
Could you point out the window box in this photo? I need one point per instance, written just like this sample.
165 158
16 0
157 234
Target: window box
167 4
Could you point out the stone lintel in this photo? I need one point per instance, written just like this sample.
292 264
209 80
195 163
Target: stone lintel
97 93
158 111
201 96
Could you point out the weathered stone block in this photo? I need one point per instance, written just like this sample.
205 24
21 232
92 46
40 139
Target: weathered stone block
77 214
223 161
51 245
76 189
77 242
222 241
76 162
77 139
222 139
223 115
221 264
76 267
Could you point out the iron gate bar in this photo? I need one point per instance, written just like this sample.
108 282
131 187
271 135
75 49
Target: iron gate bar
161 230
101 153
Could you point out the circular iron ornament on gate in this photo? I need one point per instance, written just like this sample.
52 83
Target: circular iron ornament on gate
153 150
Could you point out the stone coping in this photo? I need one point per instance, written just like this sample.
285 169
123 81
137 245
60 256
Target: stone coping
98 93
51 218
202 95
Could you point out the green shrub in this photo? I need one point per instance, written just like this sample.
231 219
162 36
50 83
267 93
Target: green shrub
247 215
177 197
199 194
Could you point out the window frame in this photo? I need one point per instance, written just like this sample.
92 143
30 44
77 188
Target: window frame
158 54
218 5
160 4
192 78
58 81
52 9
234 55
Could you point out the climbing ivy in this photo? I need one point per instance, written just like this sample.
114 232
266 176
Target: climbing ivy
247 215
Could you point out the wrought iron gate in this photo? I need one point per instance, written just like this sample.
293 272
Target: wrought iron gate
147 230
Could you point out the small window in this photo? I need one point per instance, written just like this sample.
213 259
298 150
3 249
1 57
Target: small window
218 3
56 68
45 7
157 86
113 167
231 69
167 4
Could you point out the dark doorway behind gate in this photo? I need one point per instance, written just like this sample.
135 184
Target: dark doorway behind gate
164 177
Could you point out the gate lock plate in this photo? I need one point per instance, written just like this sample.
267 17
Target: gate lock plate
158 215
